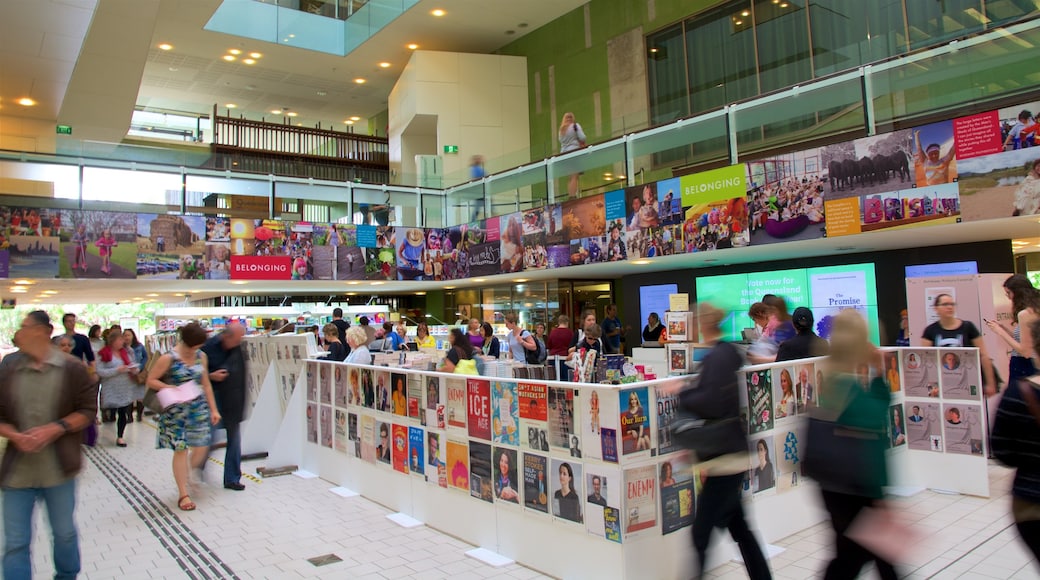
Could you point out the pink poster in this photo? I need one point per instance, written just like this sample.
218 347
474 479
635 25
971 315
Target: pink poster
977 135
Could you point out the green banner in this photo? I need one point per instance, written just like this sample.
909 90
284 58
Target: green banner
715 185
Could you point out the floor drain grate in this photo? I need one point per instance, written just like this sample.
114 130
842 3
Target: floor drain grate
325 560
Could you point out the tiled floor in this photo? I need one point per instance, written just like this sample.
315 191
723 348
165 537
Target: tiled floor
272 528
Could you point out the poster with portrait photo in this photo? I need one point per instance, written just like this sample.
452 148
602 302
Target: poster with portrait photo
634 414
602 498
326 426
410 248
416 451
534 406
617 248
506 476
312 381
368 438
324 383
433 399
760 401
340 440
456 403
677 497
963 427
511 242
896 426
598 408
563 416
924 426
763 465
786 408
383 400
806 388
458 465
435 460
384 433
641 207
934 154
368 389
312 422
566 480
481 481
399 448
505 413
891 361
536 483
340 387
959 374
399 394
920 373
639 513
667 407
788 442
478 407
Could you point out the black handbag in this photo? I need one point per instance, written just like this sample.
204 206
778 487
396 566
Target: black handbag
836 456
706 438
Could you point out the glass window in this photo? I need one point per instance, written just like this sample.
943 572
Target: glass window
666 70
1000 12
847 35
782 32
720 49
932 23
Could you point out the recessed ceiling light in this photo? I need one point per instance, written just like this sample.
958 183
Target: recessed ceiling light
322 93
248 61
520 280
353 283
360 81
783 4
620 176
235 51
255 55
238 282
745 13
355 118
231 106
152 295
349 122
449 287
739 22
229 57
653 50
413 46
276 112
291 114
420 294
351 293
378 283
24 282
384 65
641 262
480 279
165 46
26 102
438 12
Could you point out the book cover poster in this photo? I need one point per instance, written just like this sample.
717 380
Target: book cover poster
368 438
384 442
326 426
481 482
763 465
783 394
891 360
312 382
416 451
456 407
340 440
599 408
432 401
478 408
312 422
458 465
602 493
789 443
806 388
536 483
534 407
635 421
920 373
896 425
566 481
343 391
435 460
640 509
399 394
667 406
415 396
962 423
324 375
608 444
562 417
760 401
368 389
507 484
505 413
959 374
354 434
383 401
923 426
677 502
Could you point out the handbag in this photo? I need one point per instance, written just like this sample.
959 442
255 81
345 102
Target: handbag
835 456
151 401
466 366
707 438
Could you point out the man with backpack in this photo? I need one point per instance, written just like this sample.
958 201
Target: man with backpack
522 344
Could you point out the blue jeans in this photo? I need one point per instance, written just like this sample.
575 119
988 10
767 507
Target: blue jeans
18 516
233 451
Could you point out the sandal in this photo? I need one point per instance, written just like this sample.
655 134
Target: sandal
186 506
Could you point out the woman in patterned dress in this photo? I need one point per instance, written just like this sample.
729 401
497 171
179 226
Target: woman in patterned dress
186 425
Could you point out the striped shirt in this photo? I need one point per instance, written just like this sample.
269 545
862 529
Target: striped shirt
1016 440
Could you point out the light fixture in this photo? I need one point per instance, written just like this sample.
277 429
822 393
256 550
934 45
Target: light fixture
351 293
378 283
745 13
739 22
450 288
413 46
152 295
26 102
783 4
248 61
276 111
353 283
438 12
231 106
653 50
355 118
384 65
255 55
229 57
24 282
349 122
520 280
238 282
480 279
641 262
235 51
360 81
166 46
420 294
291 114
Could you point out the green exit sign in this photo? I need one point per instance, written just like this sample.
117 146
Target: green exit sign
64 129
451 148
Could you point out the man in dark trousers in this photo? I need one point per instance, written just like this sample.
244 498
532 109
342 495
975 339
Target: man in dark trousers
227 373
341 326
81 348
46 400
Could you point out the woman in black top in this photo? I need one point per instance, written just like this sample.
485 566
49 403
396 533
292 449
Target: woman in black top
653 329
952 332
491 344
337 350
461 349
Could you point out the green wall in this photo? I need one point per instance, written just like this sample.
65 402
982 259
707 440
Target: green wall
581 71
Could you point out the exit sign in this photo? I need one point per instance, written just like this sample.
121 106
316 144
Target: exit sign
64 129
451 148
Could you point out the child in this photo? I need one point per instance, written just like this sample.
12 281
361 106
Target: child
299 269
105 244
79 242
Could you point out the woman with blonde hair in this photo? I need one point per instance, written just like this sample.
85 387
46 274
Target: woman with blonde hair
571 138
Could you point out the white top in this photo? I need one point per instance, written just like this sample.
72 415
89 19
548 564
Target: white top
572 138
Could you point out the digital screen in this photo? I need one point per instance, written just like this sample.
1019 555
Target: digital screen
947 269
654 299
825 291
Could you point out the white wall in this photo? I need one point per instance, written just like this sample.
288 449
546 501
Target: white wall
480 104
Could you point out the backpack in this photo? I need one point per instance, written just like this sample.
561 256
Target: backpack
536 356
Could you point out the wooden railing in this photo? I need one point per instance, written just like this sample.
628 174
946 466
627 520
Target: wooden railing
282 149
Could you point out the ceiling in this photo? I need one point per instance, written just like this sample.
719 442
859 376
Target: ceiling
1023 228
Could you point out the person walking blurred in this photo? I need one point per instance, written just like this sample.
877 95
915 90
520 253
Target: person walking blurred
227 371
